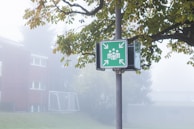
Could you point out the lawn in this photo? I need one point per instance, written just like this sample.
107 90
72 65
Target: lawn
49 121
62 121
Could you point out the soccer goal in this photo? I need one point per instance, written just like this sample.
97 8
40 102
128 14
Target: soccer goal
63 101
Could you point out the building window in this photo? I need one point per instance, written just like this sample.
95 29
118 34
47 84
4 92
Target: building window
0 68
37 86
35 108
38 60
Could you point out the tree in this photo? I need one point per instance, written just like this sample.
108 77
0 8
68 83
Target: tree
97 92
149 21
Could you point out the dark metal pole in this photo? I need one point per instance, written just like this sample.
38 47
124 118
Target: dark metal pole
118 19
118 71
118 100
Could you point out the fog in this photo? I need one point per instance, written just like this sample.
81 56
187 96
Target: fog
37 91
34 81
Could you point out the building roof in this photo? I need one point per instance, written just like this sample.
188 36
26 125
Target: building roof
8 41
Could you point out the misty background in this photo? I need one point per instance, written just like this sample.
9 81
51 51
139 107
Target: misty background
163 95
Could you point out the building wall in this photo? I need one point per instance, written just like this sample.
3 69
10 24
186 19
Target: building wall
38 79
26 77
18 75
14 77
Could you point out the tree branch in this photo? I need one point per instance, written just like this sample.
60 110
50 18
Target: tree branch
75 5
187 35
84 10
88 53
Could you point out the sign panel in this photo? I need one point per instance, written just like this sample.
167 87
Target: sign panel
114 54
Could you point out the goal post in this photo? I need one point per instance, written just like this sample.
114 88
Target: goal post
63 101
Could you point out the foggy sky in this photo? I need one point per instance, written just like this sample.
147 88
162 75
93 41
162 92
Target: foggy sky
171 74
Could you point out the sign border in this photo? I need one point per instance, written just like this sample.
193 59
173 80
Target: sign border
126 53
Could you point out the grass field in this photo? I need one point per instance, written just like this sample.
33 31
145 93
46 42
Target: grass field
62 121
48 121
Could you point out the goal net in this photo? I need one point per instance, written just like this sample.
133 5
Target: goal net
63 101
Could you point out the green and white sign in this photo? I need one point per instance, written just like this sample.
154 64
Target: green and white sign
114 54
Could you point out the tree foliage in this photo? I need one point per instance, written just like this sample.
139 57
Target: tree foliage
149 21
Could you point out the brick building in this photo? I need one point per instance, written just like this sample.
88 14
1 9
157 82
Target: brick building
27 77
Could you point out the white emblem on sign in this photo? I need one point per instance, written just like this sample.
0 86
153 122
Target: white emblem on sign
113 54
